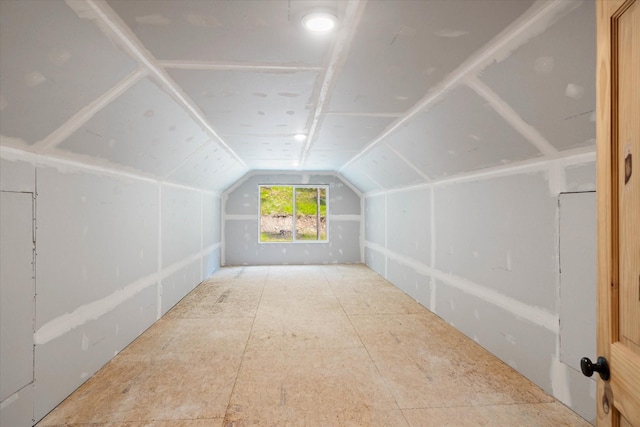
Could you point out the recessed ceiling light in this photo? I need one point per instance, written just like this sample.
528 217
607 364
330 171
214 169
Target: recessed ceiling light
319 21
300 136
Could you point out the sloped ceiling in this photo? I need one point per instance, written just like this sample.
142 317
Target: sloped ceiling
200 92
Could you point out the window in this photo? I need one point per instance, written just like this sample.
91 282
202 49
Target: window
291 213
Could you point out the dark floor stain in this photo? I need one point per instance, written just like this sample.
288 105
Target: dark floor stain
223 297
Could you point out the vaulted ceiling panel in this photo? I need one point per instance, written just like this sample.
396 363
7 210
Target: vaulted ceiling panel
356 175
403 48
341 137
211 167
557 73
327 160
237 31
459 134
53 64
349 133
387 168
255 150
251 103
200 91
143 129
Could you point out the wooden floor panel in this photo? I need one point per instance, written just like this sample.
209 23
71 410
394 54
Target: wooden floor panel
305 346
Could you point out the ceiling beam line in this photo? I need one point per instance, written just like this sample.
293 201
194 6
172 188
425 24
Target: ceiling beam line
505 111
352 16
76 121
538 18
237 66
125 36
409 163
362 114
198 150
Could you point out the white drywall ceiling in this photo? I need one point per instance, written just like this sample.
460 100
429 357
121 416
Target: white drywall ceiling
200 92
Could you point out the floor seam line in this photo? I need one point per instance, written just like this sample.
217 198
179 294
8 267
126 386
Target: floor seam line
367 350
244 351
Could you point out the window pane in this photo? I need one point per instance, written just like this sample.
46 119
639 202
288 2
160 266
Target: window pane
276 214
311 214
323 213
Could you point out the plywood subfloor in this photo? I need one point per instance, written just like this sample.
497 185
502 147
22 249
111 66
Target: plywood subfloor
305 346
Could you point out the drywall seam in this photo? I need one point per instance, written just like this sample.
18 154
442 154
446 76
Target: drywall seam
211 193
241 182
432 227
14 397
536 20
519 309
559 376
386 220
239 217
201 235
380 186
386 228
362 114
406 189
17 143
558 373
250 174
510 116
230 66
63 324
345 217
188 188
408 162
527 166
189 157
179 265
348 184
208 249
223 221
557 178
65 165
362 229
159 286
86 113
107 17
433 296
91 311
350 21
432 261
579 159
583 155
431 97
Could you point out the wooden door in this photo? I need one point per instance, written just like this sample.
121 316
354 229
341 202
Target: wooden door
618 132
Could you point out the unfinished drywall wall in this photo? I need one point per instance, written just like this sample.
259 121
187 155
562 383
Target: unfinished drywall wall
577 306
211 232
17 307
469 225
114 252
482 252
241 224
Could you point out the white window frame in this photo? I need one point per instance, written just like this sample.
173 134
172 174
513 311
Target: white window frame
293 225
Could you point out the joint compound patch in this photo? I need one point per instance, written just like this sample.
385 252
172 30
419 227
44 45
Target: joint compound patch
544 65
34 79
574 91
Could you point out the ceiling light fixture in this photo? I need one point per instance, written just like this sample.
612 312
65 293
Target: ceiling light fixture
320 22
300 137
